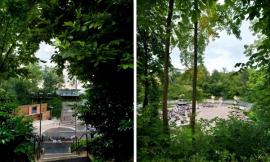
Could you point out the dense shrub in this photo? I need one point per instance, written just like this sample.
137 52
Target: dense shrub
216 140
15 132
152 142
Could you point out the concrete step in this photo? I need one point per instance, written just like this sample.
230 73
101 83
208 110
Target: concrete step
63 157
68 120
68 124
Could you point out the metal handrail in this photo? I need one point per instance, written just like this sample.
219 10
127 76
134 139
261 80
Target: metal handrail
75 142
38 149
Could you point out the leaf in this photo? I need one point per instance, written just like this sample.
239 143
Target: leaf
69 24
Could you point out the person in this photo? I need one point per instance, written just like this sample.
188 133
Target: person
92 130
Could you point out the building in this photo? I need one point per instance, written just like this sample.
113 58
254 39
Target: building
69 93
34 111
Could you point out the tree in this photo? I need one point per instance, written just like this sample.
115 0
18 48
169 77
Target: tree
166 66
15 132
150 49
20 87
259 14
181 85
95 39
258 53
151 20
195 70
56 106
18 42
206 17
51 80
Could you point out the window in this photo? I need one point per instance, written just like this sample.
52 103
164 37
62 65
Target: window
34 110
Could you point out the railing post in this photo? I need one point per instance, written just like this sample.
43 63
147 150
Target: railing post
86 140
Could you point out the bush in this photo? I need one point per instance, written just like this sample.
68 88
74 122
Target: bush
152 142
56 104
96 148
81 145
217 140
15 132
245 139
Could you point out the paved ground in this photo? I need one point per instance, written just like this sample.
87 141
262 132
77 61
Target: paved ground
67 118
56 132
59 132
221 111
206 110
66 121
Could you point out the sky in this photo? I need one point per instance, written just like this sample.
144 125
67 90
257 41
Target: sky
45 53
223 52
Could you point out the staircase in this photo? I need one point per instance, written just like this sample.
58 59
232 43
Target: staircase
60 152
63 157
67 117
69 123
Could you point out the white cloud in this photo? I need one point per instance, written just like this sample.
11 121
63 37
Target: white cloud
222 60
45 53
224 52
175 59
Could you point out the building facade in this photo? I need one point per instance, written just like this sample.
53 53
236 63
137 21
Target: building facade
35 111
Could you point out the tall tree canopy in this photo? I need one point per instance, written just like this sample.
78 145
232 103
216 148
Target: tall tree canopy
94 39
194 23
18 40
51 79
18 43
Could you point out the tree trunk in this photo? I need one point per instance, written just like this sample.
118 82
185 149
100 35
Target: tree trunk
166 67
194 81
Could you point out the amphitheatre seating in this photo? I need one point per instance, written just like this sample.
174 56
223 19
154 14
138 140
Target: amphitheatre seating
178 115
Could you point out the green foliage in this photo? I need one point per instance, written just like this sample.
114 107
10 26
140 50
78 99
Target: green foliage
211 16
100 147
216 140
55 105
15 132
226 84
22 86
242 138
18 41
94 39
150 53
180 85
152 142
81 145
51 80
220 84
257 52
258 88
150 49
